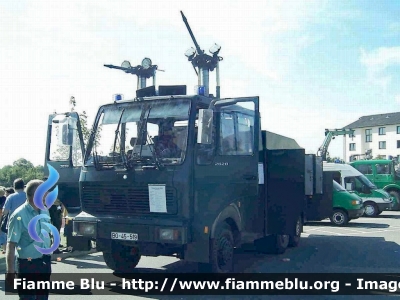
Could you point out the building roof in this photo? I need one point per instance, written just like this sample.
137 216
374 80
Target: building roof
375 120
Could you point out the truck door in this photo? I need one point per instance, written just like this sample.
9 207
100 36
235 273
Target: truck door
64 152
230 178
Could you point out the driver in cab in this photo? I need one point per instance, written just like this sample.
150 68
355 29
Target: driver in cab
166 146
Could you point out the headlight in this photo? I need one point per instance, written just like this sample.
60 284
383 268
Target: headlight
355 202
86 229
168 234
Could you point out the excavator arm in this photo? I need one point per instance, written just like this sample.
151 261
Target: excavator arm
329 135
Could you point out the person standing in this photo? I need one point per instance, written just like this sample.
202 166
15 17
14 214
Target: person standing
3 236
31 265
17 199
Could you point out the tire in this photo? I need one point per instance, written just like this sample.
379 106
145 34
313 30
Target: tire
120 260
339 217
371 209
295 240
397 195
221 250
379 212
273 244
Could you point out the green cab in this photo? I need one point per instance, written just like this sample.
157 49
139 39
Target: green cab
383 174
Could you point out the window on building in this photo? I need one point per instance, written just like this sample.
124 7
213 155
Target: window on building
382 145
398 144
398 129
368 135
382 130
352 146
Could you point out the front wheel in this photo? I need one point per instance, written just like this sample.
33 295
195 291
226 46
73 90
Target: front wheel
339 217
371 209
221 252
397 196
123 259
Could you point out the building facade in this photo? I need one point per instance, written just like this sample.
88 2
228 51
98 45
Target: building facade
379 134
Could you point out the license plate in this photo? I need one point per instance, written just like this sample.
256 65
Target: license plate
124 236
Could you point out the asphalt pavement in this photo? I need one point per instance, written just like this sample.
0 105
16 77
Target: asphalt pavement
366 245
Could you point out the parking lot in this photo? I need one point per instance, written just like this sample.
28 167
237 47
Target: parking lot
365 245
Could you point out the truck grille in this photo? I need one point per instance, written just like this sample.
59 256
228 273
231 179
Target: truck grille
122 200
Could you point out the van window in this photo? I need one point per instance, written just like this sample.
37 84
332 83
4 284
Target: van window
365 169
337 176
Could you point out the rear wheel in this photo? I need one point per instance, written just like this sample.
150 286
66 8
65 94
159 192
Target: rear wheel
273 244
339 217
295 240
122 259
371 209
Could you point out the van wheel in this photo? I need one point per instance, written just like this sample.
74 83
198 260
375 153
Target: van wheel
371 210
295 240
397 195
222 247
339 217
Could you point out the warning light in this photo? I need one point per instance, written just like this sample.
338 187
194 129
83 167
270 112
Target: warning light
118 97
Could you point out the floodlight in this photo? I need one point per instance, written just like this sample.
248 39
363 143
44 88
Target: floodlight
215 49
146 63
126 64
190 53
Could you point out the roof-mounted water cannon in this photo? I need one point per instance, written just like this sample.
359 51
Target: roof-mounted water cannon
143 71
204 62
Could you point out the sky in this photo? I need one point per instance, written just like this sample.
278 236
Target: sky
314 64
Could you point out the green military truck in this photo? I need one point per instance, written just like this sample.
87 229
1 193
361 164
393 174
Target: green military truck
222 183
383 174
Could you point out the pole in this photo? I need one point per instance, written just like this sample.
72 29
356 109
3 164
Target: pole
218 87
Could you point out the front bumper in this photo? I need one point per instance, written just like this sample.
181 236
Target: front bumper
385 206
356 213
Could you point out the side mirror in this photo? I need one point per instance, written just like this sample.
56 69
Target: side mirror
204 134
66 135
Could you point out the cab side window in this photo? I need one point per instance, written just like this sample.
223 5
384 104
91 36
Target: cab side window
382 169
236 134
365 169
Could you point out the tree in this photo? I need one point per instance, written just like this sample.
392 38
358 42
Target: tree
20 168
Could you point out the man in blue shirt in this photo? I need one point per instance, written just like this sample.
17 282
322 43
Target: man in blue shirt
17 199
32 265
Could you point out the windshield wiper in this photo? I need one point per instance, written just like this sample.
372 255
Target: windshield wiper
117 131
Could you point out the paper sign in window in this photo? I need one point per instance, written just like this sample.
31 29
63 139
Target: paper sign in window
157 198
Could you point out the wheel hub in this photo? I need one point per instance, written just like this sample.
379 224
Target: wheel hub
338 218
225 252
369 210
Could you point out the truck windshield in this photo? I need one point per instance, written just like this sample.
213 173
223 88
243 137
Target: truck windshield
140 133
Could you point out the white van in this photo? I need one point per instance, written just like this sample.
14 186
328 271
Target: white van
375 200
